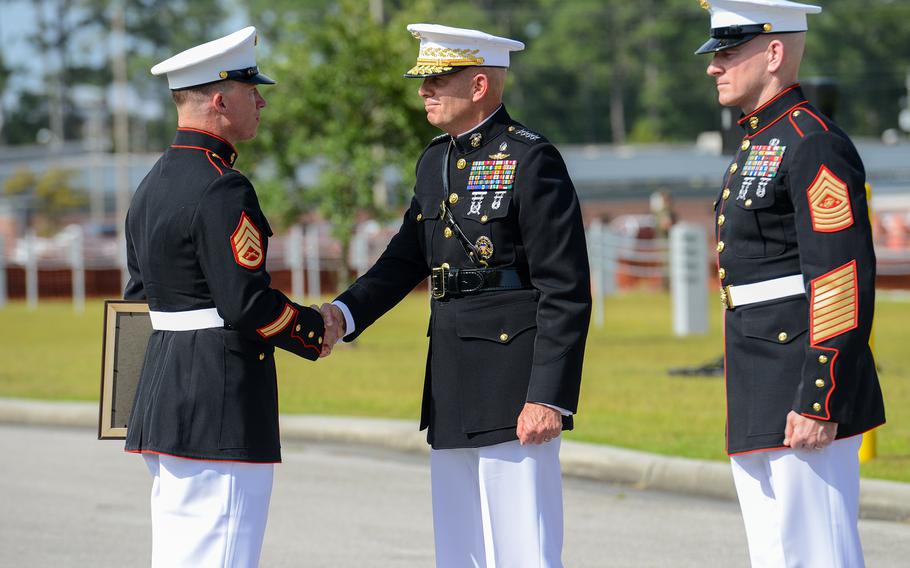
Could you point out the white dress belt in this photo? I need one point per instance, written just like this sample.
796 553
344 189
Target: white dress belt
745 294
186 321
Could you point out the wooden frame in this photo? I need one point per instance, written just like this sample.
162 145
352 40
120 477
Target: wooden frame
127 327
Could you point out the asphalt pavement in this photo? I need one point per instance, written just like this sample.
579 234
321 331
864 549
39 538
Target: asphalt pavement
69 500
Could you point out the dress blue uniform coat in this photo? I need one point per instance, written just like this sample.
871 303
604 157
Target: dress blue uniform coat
197 239
510 192
794 202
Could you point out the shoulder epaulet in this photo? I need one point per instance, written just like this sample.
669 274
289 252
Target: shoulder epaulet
807 121
441 138
520 133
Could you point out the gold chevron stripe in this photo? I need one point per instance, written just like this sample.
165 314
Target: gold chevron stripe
833 217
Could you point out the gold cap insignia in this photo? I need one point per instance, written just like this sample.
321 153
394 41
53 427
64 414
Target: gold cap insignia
704 4
476 138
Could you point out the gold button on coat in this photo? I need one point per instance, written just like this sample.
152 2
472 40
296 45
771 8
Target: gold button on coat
822 359
796 113
816 407
504 337
726 193
311 334
721 219
745 145
297 328
444 265
820 383
419 217
722 273
484 218
262 356
319 340
782 336
733 167
461 163
748 203
720 246
453 198
447 233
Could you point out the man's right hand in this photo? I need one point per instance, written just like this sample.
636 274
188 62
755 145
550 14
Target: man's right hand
335 327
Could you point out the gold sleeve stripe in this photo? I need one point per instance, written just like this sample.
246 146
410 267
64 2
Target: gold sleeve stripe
834 303
829 202
279 324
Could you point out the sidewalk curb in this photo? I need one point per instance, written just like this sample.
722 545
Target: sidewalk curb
883 500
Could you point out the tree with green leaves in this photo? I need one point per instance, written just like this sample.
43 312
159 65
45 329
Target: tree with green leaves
48 197
342 107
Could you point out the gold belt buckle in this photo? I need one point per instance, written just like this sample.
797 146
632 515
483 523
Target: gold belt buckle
438 282
725 297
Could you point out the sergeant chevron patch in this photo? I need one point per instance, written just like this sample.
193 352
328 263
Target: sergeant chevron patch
279 325
834 303
829 202
246 243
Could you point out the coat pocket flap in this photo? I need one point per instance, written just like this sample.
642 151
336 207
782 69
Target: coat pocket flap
500 324
781 322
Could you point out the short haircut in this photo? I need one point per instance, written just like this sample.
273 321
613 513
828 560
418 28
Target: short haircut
199 93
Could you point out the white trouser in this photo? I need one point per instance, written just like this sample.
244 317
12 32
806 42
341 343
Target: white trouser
801 507
498 506
208 514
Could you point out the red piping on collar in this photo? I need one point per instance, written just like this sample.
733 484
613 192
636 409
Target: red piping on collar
775 121
759 109
187 129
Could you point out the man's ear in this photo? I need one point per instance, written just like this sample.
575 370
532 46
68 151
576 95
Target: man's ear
775 55
218 103
480 86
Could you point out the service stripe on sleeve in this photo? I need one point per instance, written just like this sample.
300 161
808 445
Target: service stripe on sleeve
277 326
834 303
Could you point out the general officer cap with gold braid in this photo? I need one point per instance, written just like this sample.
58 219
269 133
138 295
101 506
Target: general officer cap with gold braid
232 57
445 50
734 22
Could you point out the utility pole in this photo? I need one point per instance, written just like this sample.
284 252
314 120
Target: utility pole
121 129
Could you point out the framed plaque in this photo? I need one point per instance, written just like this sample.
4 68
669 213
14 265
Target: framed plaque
127 328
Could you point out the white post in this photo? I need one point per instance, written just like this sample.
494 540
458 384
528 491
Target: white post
77 268
295 260
3 297
611 243
596 258
31 270
689 279
314 290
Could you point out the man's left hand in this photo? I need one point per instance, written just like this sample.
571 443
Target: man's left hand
803 433
538 424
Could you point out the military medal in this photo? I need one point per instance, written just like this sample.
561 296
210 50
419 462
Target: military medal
484 247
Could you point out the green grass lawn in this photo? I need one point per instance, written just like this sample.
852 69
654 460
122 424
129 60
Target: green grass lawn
627 397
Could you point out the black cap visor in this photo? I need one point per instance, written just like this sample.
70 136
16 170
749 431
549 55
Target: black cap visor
248 75
719 44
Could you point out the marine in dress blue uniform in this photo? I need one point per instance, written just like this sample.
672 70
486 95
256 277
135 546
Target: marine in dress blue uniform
797 269
206 408
495 223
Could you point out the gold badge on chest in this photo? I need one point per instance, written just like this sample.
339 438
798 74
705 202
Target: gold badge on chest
501 155
484 247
